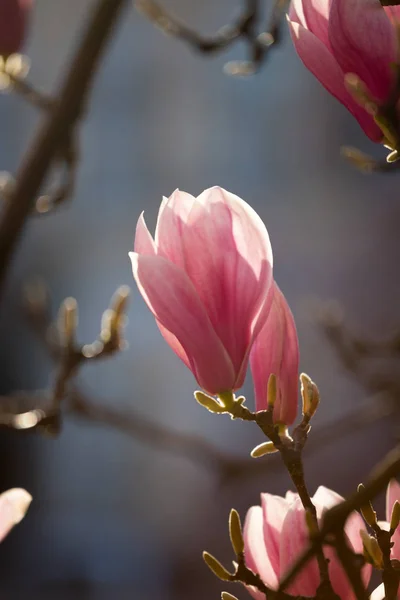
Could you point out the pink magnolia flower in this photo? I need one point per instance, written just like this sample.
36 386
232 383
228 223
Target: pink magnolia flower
276 350
14 16
275 534
13 506
207 278
337 37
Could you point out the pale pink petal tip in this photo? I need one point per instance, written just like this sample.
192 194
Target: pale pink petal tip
14 504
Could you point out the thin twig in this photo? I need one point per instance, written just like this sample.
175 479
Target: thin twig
246 26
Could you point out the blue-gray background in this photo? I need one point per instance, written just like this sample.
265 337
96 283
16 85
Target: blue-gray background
113 518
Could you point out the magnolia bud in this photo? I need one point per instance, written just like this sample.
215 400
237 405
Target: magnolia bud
263 449
209 402
215 566
235 532
367 510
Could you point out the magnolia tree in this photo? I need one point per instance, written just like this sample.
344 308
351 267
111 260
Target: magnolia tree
207 277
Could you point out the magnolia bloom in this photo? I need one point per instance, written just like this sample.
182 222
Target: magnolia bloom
13 506
276 534
207 278
276 350
14 16
335 38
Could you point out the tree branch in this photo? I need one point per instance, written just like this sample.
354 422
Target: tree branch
57 126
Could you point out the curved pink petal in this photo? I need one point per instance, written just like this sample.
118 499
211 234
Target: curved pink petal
173 300
393 494
144 243
229 260
364 42
276 350
174 343
316 14
296 13
294 540
393 12
13 506
172 217
255 552
322 64
274 510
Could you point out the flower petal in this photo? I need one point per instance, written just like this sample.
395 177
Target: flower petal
294 540
322 64
274 513
363 41
171 297
172 217
229 260
316 14
276 350
255 552
13 506
174 343
144 243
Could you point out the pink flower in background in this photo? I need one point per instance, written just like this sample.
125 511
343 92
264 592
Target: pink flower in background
276 350
207 278
275 534
13 506
336 37
14 16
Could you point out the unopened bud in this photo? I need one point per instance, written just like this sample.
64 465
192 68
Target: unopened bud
271 391
113 319
310 395
215 566
372 552
68 321
235 532
209 402
227 596
367 510
395 518
263 449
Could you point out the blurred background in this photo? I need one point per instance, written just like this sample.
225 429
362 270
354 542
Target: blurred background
114 517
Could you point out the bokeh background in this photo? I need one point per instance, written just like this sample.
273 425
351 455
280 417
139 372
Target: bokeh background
114 517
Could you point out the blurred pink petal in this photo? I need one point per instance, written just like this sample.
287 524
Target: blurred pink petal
320 61
364 42
14 15
13 506
276 350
